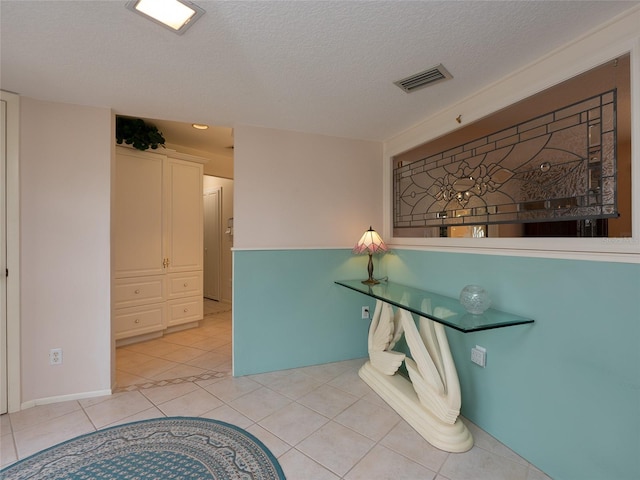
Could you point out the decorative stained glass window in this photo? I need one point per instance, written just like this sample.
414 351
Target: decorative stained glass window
556 166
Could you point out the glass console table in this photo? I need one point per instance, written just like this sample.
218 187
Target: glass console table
452 314
429 400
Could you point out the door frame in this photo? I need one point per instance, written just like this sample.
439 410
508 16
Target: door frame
218 191
13 249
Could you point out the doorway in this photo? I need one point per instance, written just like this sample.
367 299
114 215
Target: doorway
3 261
9 254
212 243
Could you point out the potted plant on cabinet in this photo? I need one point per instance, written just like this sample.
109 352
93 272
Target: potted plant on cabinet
137 133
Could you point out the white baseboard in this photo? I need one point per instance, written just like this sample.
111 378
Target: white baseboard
63 398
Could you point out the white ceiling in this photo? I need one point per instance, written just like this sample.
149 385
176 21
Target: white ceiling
325 67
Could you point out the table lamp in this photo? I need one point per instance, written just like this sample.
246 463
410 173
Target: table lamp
370 243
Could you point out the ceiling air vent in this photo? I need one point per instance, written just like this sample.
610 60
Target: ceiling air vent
423 79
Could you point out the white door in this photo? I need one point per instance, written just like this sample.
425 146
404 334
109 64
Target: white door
212 250
3 259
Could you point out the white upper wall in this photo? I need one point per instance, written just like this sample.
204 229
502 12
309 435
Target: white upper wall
298 190
65 177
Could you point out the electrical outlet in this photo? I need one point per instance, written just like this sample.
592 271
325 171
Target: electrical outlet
479 355
365 312
55 356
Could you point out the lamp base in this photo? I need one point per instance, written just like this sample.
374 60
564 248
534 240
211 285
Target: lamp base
370 281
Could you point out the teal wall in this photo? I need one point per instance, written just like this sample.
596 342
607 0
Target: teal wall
288 312
563 392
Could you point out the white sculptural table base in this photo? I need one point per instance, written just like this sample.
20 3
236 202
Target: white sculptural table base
430 401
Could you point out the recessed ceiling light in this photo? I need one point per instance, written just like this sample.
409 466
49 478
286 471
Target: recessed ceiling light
176 15
199 126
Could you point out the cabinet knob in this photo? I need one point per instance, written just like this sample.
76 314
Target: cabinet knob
137 320
186 284
186 310
137 291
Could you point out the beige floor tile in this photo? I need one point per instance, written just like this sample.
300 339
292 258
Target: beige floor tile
51 432
293 423
8 453
124 379
327 371
336 447
534 474
351 383
485 441
209 381
209 360
383 464
368 419
5 424
154 367
119 407
406 441
277 446
227 414
160 395
269 377
297 466
154 348
231 388
225 367
193 404
128 359
211 343
88 402
226 350
328 401
294 385
373 397
184 338
183 354
179 371
260 403
41 413
148 414
479 464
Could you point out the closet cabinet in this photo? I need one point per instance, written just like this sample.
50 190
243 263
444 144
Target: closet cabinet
157 242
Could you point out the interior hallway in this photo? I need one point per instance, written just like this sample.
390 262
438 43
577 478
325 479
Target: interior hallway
188 355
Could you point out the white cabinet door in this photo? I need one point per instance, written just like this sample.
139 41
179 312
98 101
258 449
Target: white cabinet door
184 216
138 214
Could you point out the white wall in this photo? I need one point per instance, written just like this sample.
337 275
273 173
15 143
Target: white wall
298 190
211 183
218 165
65 175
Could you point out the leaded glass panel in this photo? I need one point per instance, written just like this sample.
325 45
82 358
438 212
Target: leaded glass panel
557 166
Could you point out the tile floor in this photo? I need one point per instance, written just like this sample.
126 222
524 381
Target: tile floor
322 422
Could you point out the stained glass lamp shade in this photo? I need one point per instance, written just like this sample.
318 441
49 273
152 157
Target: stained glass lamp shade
370 243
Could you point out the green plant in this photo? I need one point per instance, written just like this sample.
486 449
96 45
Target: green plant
135 132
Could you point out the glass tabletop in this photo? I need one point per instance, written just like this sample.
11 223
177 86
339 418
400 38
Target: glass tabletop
439 308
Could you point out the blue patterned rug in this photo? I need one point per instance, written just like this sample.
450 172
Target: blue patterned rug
162 448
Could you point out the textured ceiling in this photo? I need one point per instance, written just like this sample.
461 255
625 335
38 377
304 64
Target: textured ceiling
325 67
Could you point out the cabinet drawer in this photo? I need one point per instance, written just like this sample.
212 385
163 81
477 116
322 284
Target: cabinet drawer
129 322
185 284
185 310
138 291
